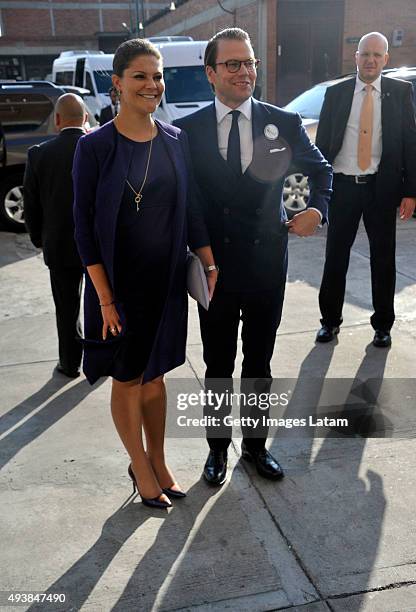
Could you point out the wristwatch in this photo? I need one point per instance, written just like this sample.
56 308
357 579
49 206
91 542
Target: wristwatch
211 268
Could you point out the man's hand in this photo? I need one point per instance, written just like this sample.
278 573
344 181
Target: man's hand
304 223
407 208
212 278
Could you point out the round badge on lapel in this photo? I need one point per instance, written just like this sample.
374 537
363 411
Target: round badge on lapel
271 132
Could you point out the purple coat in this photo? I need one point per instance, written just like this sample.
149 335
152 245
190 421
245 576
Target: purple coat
100 169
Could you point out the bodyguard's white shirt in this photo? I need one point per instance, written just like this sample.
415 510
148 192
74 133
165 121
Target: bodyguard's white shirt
75 127
347 159
224 120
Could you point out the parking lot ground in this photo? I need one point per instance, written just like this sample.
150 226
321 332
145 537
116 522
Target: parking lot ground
338 533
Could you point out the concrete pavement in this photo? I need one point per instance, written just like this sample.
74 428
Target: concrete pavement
338 533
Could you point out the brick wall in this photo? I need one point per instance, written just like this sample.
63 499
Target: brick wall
270 95
112 20
245 17
72 27
20 25
83 22
77 28
360 18
186 11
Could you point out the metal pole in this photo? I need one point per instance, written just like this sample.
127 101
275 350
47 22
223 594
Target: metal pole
142 33
136 29
262 32
131 20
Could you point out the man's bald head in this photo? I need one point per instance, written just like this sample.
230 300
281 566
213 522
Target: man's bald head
371 56
377 36
70 111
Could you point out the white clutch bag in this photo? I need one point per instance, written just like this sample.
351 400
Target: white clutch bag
196 280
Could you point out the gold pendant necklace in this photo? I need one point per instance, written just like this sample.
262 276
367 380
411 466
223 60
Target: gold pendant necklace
138 194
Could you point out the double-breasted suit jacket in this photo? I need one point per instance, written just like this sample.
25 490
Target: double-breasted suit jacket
244 214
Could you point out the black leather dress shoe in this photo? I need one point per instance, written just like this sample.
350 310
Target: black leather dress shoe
68 373
265 463
326 333
382 338
215 468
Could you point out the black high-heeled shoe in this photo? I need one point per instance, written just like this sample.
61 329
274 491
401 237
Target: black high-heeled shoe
152 502
173 493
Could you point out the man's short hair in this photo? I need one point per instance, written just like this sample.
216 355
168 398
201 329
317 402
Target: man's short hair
227 34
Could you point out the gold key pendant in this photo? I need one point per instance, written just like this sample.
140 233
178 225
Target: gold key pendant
137 199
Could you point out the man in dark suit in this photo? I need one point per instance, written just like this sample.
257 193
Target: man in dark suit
367 131
241 150
109 112
48 201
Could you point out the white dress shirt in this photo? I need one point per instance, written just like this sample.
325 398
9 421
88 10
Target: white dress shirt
347 159
224 120
73 127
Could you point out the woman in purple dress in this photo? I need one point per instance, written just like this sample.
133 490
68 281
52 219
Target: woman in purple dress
135 210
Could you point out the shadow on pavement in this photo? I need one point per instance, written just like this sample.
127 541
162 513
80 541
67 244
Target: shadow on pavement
313 250
15 247
18 412
141 591
44 418
340 511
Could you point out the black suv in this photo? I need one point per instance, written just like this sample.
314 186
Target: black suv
26 119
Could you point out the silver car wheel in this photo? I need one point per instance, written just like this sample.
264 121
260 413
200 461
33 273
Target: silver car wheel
295 193
13 204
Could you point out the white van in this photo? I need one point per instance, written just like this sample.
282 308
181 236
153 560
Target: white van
187 88
89 69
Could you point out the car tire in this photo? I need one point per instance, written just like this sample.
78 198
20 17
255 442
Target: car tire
11 203
295 194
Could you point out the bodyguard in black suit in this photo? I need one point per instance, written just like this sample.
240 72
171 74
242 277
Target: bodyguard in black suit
109 112
48 202
367 131
241 150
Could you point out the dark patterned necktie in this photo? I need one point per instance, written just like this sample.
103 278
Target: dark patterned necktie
233 149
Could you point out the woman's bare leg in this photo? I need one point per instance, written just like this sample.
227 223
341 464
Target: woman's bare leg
154 420
126 409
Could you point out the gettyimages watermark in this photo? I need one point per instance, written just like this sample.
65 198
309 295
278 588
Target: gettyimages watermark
307 407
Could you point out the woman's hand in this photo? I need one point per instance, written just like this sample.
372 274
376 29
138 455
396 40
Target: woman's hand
111 320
